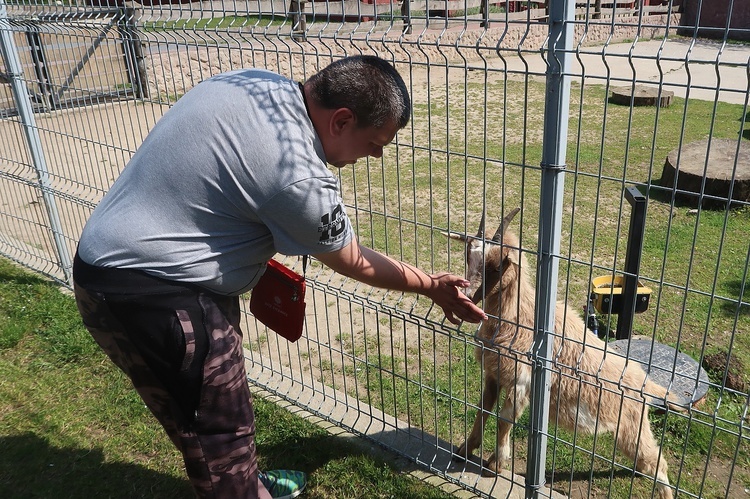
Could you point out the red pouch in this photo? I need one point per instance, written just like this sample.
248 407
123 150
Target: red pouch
278 300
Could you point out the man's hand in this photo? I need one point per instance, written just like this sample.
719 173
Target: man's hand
446 293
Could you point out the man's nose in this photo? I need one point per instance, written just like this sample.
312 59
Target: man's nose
377 152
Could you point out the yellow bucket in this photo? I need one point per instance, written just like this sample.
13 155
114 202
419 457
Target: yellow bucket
607 295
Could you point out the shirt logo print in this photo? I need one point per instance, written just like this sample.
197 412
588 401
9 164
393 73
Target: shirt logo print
332 225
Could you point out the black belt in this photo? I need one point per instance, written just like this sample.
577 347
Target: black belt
125 281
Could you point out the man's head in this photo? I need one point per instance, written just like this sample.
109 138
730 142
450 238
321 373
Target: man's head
357 105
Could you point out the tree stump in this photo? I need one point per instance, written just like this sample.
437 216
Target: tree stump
722 168
640 95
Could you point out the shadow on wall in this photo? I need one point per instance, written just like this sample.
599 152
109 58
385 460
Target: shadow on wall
709 19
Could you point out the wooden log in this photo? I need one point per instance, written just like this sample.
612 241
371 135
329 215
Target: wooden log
641 95
716 171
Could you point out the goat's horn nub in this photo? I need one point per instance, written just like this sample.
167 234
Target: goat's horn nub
480 232
504 224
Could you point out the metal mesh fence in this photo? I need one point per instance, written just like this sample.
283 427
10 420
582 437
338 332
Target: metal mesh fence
648 211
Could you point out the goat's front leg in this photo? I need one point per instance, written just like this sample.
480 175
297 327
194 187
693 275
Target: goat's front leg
516 400
489 397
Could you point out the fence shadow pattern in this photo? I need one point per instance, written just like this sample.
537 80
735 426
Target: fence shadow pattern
81 86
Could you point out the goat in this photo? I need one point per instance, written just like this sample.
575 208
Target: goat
590 391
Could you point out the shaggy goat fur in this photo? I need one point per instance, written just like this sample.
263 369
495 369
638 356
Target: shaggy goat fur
590 391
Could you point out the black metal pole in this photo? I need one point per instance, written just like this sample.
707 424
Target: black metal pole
632 262
132 48
41 68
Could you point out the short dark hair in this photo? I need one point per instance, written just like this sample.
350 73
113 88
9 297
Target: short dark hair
368 86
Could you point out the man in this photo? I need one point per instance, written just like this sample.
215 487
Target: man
234 173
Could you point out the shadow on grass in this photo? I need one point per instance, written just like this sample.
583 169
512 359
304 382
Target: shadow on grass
732 307
338 465
30 467
306 453
578 483
666 195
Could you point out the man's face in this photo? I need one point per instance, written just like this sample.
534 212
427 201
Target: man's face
354 143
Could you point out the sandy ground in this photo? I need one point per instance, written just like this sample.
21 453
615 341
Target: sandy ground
697 69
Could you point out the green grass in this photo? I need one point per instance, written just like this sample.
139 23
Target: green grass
71 426
214 23
445 186
471 142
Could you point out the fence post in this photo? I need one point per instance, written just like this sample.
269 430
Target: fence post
31 132
554 148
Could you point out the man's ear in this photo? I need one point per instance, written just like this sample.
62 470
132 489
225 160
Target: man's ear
341 119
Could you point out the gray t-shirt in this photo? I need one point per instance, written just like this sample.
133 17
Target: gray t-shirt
231 175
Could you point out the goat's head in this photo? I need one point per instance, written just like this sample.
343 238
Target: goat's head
488 260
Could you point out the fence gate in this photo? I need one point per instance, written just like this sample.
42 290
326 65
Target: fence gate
76 58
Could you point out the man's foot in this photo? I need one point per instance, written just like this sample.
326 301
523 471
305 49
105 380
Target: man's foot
283 484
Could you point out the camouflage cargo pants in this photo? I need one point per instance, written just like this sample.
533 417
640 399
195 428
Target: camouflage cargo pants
183 353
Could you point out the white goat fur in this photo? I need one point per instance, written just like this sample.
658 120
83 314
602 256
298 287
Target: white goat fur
589 391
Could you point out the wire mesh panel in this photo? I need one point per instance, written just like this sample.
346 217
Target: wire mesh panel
653 219
61 59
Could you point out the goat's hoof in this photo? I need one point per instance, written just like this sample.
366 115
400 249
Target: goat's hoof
492 467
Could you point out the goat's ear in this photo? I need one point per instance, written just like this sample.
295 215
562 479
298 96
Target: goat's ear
453 235
513 256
